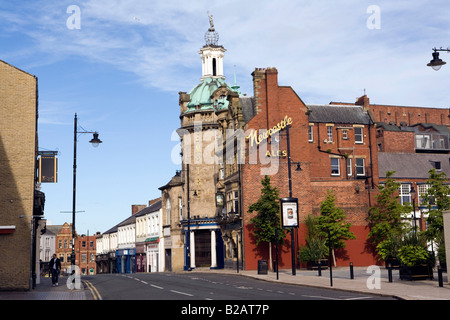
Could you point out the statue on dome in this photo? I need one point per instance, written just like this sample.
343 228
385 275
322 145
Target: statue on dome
211 22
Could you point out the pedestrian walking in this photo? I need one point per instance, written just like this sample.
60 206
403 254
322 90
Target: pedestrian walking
55 269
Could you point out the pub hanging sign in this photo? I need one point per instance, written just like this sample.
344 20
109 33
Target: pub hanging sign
48 169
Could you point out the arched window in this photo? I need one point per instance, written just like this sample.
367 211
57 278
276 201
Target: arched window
214 67
168 207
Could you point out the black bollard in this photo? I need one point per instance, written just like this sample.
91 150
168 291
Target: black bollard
351 271
390 272
441 282
320 268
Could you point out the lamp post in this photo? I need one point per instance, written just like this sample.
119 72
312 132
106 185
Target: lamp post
436 63
413 200
295 225
95 143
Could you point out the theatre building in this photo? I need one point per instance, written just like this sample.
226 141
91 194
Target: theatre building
205 217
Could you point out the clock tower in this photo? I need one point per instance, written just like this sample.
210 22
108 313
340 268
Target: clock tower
201 111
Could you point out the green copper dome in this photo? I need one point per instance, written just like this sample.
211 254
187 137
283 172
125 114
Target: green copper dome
201 95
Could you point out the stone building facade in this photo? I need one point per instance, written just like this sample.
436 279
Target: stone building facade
18 147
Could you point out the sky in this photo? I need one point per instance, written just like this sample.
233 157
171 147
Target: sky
121 64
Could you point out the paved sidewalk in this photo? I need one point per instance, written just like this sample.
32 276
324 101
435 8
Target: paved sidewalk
401 289
45 291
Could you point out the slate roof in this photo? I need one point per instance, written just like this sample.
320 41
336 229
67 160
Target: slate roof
154 207
411 165
248 107
338 114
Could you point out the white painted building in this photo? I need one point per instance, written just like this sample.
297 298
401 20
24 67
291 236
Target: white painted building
148 234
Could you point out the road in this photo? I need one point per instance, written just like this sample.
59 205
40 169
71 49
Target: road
206 286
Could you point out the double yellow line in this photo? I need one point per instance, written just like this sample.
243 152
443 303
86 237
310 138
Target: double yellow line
95 294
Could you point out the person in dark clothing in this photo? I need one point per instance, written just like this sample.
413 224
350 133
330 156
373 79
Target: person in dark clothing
55 269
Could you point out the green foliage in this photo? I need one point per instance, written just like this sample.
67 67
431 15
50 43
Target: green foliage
267 220
413 251
332 220
315 247
437 201
389 247
385 218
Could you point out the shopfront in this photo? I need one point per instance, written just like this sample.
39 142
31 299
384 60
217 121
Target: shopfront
126 260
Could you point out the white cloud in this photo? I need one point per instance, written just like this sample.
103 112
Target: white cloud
323 49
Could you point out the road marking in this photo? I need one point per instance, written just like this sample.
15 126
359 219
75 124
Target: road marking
94 292
184 293
358 298
144 282
155 286
320 297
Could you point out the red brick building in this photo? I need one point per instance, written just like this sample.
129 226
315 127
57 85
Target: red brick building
64 245
332 148
342 147
85 250
411 141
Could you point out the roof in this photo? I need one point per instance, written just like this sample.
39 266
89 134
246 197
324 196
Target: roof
201 94
338 114
127 221
411 165
435 127
152 208
248 109
175 181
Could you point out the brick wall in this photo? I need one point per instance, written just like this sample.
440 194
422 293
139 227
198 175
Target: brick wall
18 104
396 141
406 114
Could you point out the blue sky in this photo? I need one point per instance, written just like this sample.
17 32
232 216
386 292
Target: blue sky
122 70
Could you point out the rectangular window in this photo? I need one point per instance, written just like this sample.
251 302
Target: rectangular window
345 134
330 133
404 193
359 135
359 167
335 170
310 133
422 193
349 166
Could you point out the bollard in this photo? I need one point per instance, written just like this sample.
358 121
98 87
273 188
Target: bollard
390 272
320 269
351 271
441 282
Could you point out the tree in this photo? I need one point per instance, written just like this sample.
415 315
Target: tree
437 201
385 218
315 248
332 224
267 220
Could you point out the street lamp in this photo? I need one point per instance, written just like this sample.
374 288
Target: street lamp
95 143
436 63
413 200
